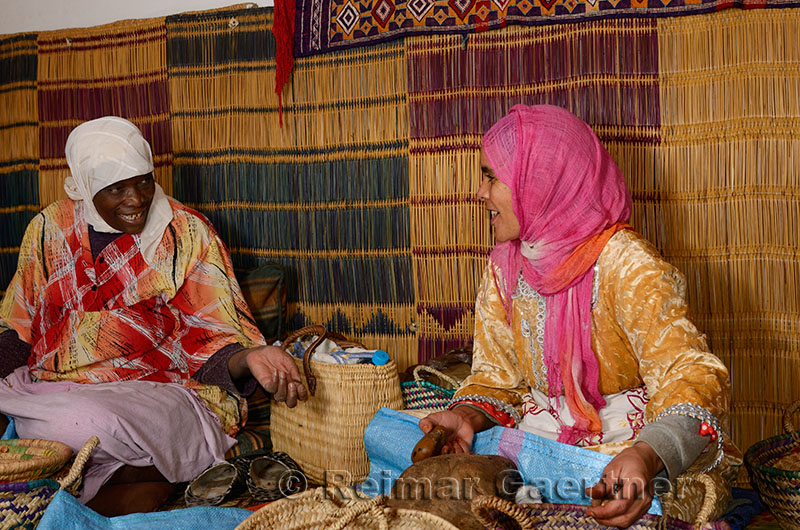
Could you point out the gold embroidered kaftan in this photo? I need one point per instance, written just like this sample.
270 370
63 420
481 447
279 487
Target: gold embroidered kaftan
640 334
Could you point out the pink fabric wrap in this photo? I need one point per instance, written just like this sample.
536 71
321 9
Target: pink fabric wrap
570 198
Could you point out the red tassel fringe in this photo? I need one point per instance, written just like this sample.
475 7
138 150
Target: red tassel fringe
283 30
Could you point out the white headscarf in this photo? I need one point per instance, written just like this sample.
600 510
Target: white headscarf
107 150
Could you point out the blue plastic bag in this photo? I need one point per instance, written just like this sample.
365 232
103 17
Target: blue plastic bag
561 472
65 512
10 432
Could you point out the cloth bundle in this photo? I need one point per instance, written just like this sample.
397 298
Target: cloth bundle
329 351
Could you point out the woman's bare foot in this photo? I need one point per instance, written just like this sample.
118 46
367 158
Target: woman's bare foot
132 490
134 497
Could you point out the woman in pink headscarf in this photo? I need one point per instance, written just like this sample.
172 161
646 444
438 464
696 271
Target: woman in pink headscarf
581 328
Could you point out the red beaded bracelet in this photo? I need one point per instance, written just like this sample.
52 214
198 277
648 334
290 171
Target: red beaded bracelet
708 429
502 418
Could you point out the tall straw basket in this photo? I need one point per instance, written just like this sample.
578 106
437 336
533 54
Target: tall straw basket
774 467
329 509
22 504
325 433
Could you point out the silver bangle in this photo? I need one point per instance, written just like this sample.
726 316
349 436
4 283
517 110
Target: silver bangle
496 403
699 413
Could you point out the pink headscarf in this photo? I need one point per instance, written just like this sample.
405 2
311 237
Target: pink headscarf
569 198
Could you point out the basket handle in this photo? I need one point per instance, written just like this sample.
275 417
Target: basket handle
449 380
302 332
322 334
787 416
482 504
320 331
709 500
347 515
72 481
343 341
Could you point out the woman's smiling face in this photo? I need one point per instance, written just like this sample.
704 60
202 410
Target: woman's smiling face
498 199
124 205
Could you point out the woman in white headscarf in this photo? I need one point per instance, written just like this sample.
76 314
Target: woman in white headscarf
124 320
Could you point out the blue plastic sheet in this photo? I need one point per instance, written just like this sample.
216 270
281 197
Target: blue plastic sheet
10 432
65 512
561 472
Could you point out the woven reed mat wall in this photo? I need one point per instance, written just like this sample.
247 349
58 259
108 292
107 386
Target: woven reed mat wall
351 126
85 73
326 195
457 93
19 147
726 194
365 193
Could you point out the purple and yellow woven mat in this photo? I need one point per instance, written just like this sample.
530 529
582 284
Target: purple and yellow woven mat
327 25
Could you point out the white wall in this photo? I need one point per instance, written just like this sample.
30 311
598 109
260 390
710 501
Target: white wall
18 16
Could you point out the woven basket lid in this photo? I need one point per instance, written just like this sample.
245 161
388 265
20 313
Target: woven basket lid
23 459
327 508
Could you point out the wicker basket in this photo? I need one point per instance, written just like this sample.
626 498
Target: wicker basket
421 394
495 512
22 504
325 434
778 488
325 508
28 459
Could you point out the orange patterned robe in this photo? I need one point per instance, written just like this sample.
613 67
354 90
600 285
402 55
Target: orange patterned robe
117 318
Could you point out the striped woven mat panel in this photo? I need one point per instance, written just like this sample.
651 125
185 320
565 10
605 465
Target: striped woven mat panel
606 72
19 147
84 73
325 195
727 197
351 126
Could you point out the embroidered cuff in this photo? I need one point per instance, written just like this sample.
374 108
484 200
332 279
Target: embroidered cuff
505 414
698 413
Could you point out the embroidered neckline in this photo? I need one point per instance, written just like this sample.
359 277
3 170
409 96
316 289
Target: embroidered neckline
526 292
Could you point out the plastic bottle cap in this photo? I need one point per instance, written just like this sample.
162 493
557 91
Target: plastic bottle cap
380 357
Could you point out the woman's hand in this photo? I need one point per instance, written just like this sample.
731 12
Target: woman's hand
274 369
624 492
461 424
